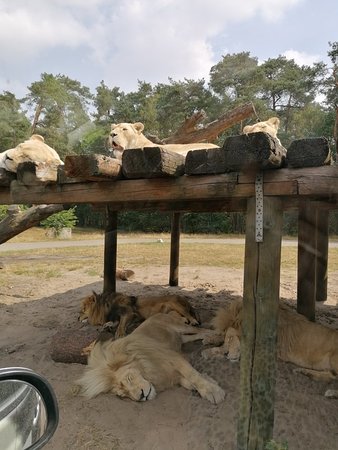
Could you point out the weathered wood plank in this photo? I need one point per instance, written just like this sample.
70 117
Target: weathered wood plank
152 162
40 173
110 251
307 255
259 327
253 151
6 177
197 188
209 161
239 153
309 153
322 246
92 167
174 248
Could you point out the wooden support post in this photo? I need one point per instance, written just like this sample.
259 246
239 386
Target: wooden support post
259 327
110 251
322 246
174 249
307 256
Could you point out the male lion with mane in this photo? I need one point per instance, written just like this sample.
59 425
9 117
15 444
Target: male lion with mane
124 311
147 361
125 136
311 346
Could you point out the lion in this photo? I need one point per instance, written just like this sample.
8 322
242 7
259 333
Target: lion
125 136
123 312
147 361
311 346
32 150
269 126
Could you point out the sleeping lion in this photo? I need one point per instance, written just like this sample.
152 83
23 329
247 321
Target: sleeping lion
311 346
269 126
123 311
147 361
32 150
125 136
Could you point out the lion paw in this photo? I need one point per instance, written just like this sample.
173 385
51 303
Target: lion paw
214 352
212 392
213 338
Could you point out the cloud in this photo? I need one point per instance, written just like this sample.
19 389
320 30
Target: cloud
302 58
126 40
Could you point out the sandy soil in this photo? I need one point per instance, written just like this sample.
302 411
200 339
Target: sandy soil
32 311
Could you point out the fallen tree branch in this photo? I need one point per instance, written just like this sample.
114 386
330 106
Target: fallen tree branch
189 133
18 221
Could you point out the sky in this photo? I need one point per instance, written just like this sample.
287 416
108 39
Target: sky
125 41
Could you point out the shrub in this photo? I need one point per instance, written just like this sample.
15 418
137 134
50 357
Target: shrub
62 219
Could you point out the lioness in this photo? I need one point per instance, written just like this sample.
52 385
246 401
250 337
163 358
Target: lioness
146 362
269 126
32 150
302 342
123 310
124 136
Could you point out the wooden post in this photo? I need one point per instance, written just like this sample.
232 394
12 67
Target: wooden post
322 247
174 249
110 251
307 256
259 326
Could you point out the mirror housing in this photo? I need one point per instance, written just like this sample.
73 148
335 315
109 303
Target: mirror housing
44 395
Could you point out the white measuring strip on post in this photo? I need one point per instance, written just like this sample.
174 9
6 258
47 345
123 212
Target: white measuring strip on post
259 206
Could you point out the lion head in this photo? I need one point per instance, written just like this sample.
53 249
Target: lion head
128 382
127 135
94 309
33 150
269 126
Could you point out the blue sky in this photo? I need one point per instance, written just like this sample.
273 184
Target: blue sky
123 41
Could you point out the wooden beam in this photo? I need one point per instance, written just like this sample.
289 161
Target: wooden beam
152 162
307 257
322 247
92 167
110 251
309 153
259 327
174 249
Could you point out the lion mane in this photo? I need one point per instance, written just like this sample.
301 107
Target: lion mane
304 343
125 136
147 361
32 150
124 312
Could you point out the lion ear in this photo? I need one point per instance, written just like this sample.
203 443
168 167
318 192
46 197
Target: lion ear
139 127
274 121
94 297
247 129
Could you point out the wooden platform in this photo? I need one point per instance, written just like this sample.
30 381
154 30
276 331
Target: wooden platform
153 179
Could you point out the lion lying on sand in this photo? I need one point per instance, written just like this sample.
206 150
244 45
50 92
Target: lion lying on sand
125 136
146 362
33 150
309 345
269 126
124 312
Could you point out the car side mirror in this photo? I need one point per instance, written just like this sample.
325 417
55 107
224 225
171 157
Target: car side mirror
29 412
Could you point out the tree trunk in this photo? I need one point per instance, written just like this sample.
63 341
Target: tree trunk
188 133
18 221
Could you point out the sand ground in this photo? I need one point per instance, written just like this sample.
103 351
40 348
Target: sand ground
33 310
